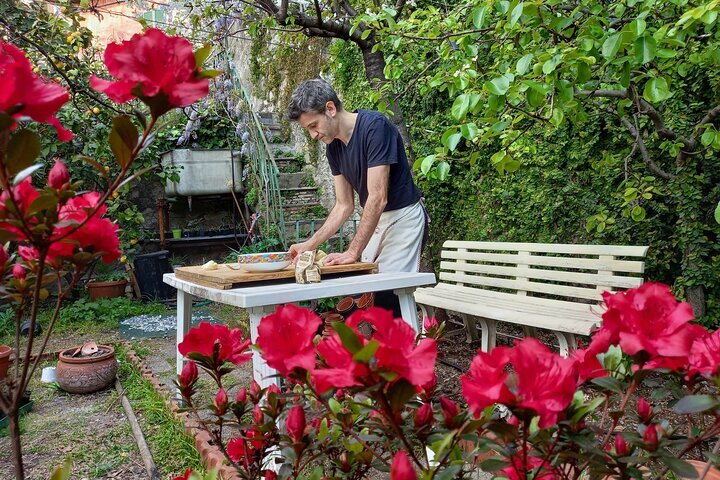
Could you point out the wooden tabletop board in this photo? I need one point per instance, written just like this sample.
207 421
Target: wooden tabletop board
230 275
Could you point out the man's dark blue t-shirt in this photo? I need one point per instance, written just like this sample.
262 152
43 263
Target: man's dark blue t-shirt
375 141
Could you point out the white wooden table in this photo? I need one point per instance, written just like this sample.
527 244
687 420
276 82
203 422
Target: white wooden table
262 300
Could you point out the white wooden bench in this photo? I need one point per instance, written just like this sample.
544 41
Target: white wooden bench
535 285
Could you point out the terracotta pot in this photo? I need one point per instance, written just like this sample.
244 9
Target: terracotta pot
115 288
712 474
345 306
5 352
86 374
366 300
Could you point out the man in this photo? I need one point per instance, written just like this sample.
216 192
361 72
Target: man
366 155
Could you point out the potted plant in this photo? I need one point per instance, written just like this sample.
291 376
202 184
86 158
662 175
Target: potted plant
107 285
5 353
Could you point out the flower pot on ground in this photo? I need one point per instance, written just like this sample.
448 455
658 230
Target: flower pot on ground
5 353
86 373
107 289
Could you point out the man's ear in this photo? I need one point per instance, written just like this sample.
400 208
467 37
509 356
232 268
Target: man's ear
330 108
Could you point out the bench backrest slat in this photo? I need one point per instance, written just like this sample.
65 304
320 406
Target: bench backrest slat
554 270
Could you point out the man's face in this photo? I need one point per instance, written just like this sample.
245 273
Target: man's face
321 126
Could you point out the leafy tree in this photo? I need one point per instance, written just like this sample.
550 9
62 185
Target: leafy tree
650 67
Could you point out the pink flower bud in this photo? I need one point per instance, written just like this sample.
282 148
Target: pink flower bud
18 271
221 402
270 475
241 395
258 415
339 394
272 389
189 374
344 464
296 423
621 448
650 437
450 410
401 468
185 476
429 323
644 410
58 176
255 392
423 416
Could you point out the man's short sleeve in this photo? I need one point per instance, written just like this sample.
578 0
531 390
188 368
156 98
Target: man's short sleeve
382 143
333 160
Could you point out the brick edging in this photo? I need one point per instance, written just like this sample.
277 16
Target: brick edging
211 455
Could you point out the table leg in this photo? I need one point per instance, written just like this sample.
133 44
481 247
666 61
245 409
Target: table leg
262 373
408 309
184 316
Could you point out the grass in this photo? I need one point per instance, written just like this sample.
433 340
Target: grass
172 450
83 316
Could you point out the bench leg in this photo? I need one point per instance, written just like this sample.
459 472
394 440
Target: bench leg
427 311
567 342
470 328
489 334
530 332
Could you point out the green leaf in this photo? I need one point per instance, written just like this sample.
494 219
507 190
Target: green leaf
499 85
523 64
348 338
608 383
493 464
637 26
550 66
367 352
478 16
638 213
695 404
460 107
557 117
426 164
399 394
534 98
680 467
62 472
451 138
46 201
515 14
334 405
717 213
645 48
611 45
443 169
468 131
23 149
201 54
123 139
708 137
656 90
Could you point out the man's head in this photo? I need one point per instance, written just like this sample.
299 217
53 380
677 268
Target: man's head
315 105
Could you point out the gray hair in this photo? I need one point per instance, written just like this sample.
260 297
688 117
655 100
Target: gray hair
311 96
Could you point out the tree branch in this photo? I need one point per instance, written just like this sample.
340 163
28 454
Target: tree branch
709 117
635 132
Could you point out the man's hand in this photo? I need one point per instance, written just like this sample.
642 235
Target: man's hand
297 249
344 258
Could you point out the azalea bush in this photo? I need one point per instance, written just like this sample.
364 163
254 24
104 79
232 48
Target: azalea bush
52 232
351 405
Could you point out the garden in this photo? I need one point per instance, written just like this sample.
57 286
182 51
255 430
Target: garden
543 128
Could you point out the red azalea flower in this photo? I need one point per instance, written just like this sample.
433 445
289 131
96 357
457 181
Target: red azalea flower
644 410
238 451
397 351
450 410
270 475
158 69
589 366
202 340
185 476
401 468
705 355
649 319
286 338
424 416
546 382
187 379
524 466
241 396
24 94
650 437
59 175
295 424
343 371
3 259
484 384
621 448
221 402
18 271
23 195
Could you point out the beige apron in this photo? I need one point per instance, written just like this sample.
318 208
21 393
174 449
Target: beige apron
396 244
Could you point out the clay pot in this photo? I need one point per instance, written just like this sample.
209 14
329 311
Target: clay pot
86 374
366 300
5 352
115 288
345 306
712 474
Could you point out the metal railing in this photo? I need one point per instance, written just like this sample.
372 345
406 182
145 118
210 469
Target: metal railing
343 236
261 159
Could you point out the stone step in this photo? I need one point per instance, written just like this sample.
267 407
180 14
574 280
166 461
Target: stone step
289 164
300 196
292 180
294 212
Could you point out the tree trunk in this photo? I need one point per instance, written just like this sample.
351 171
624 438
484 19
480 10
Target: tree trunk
14 415
696 297
375 73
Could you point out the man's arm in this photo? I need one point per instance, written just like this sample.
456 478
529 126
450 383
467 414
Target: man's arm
341 211
378 179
